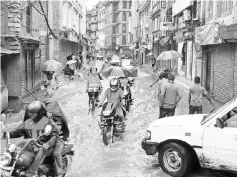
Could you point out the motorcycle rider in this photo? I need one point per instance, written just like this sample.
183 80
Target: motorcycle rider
114 94
94 81
55 112
33 127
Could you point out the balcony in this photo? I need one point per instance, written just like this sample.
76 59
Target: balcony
144 5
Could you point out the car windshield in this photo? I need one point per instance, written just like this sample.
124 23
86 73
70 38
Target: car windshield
217 110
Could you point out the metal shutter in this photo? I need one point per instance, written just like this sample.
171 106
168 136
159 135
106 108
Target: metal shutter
221 71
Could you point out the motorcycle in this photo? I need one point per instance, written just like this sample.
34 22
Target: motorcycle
128 101
17 158
109 124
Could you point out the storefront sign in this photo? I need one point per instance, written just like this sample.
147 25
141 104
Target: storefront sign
168 26
228 32
207 35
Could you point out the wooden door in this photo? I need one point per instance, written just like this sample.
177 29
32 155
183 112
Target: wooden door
14 75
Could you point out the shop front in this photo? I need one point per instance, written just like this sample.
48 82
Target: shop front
229 35
219 71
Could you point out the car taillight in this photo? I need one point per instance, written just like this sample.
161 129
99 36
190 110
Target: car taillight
148 135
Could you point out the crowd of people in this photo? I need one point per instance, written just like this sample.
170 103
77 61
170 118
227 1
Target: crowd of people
169 95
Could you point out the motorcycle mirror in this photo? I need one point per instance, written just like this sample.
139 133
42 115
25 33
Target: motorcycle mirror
48 129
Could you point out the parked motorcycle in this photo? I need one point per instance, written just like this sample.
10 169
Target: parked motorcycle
109 124
17 158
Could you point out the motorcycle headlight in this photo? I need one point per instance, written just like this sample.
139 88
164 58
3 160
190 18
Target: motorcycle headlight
5 159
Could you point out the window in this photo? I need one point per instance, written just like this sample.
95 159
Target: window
130 4
114 30
113 40
130 14
124 40
117 28
209 9
28 19
124 28
124 4
230 119
224 6
124 18
114 18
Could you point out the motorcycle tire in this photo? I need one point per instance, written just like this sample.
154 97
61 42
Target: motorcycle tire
108 135
128 106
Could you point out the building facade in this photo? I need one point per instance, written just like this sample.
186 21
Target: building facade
67 23
33 32
20 54
117 15
144 30
216 40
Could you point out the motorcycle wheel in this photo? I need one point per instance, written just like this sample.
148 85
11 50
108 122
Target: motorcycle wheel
108 135
128 106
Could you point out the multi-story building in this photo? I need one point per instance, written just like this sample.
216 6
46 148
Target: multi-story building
216 48
20 54
117 15
67 21
144 12
33 32
95 27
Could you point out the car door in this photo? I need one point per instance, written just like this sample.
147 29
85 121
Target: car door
220 144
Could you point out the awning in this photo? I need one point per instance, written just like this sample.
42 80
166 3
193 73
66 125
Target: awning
228 32
5 51
207 34
164 40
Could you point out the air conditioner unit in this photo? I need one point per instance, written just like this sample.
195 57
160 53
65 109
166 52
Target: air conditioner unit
168 26
186 15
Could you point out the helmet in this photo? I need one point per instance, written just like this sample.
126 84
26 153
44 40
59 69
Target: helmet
36 107
114 84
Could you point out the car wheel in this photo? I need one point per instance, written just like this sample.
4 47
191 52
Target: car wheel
175 160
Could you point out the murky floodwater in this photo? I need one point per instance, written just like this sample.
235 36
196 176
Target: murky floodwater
124 158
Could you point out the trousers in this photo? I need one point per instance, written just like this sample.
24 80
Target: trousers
41 154
58 157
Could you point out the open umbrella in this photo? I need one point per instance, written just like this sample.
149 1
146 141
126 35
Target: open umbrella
169 55
71 62
115 72
52 65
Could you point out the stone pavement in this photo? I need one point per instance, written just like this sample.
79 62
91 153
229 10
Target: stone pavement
185 84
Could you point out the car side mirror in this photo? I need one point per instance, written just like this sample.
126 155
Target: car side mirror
220 123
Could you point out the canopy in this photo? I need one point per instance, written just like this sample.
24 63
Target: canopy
207 34
5 51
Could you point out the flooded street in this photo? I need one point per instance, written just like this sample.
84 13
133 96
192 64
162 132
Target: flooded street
124 158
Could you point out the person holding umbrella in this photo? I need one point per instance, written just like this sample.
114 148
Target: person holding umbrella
49 69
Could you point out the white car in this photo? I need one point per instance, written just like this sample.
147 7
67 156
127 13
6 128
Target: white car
186 141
